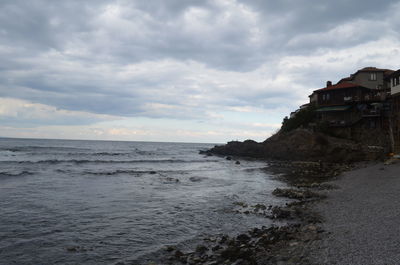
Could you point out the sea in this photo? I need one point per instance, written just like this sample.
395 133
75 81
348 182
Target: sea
113 202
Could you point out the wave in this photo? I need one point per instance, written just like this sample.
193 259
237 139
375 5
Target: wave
162 173
121 171
40 148
11 174
99 161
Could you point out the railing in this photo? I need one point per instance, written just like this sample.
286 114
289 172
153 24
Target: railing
339 123
343 123
371 113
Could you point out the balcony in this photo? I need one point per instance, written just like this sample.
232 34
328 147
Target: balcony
371 113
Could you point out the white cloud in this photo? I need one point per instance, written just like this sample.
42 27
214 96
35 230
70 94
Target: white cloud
16 111
235 67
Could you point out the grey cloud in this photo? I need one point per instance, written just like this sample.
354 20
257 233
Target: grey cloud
70 55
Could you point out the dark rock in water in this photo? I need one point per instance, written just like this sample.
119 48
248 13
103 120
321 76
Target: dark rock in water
169 179
231 252
178 254
296 194
170 248
224 238
72 248
215 248
206 152
237 162
243 238
152 172
195 179
247 148
201 249
228 158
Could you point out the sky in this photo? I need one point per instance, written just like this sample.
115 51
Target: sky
179 70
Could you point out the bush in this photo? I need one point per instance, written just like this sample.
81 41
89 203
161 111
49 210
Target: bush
302 118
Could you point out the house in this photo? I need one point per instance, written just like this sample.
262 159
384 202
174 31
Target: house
344 93
370 77
357 106
394 81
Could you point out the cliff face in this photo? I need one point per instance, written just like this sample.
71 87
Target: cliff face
301 144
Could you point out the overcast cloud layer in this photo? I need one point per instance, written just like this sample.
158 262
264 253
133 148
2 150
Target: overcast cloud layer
184 70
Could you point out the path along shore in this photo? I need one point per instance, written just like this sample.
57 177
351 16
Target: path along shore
362 218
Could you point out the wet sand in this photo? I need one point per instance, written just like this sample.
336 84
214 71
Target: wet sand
362 218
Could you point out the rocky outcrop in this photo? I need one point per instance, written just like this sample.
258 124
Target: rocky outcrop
301 144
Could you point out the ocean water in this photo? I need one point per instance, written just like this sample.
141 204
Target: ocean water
113 202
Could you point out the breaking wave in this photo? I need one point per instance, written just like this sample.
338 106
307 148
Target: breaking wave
99 161
12 174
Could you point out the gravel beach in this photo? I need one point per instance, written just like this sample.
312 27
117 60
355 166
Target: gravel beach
362 218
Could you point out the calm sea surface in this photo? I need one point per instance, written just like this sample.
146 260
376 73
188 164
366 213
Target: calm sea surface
119 201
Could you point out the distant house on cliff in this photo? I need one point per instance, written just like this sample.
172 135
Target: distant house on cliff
394 83
370 77
356 104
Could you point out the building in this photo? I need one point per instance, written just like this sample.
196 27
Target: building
346 104
357 107
370 77
394 81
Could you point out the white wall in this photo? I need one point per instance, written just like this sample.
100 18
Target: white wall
394 89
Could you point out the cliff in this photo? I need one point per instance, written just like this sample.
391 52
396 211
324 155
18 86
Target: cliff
301 144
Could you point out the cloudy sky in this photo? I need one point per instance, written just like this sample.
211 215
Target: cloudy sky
179 70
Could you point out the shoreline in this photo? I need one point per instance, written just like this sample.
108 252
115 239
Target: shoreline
287 244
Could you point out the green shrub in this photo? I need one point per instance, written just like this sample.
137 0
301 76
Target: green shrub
302 118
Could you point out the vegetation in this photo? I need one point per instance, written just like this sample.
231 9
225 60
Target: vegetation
301 119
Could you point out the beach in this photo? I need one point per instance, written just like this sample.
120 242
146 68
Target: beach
361 218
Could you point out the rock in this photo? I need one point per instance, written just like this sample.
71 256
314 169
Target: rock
178 254
296 194
228 158
259 206
241 204
231 253
216 247
170 248
152 172
214 262
195 179
224 239
72 248
201 249
237 162
300 144
243 238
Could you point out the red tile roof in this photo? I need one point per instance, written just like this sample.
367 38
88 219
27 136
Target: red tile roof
373 69
386 72
338 86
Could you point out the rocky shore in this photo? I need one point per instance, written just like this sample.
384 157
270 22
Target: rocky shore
303 145
305 160
286 244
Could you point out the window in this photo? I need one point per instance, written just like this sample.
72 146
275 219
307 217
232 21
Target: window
396 81
372 124
327 96
372 77
323 96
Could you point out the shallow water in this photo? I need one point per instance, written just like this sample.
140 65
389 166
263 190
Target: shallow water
115 202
